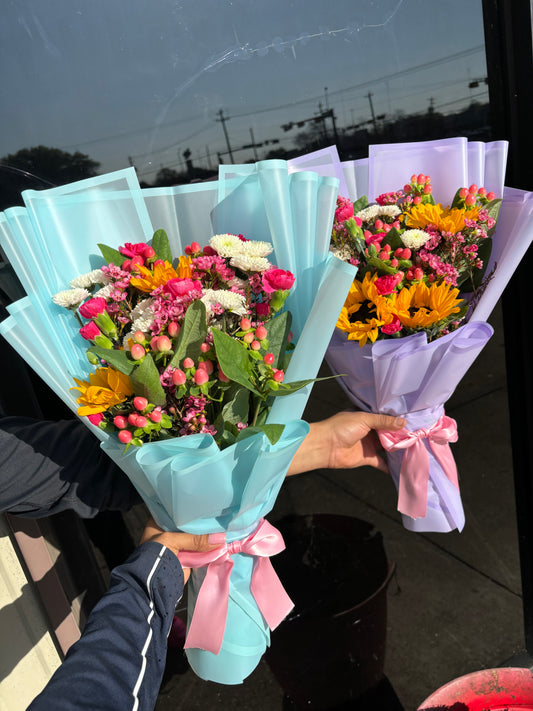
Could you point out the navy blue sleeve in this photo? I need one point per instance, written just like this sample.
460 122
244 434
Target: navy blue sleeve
119 660
48 467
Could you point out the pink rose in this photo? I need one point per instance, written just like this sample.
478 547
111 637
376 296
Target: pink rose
93 307
96 418
393 327
133 250
182 287
90 331
344 209
276 280
386 284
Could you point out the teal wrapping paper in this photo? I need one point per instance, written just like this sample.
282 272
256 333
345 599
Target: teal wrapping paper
187 483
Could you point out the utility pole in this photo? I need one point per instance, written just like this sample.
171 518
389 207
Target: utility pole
223 120
253 143
372 112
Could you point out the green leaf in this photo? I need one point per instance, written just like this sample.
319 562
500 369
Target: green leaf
145 382
237 409
111 255
360 204
161 246
289 388
273 432
193 333
278 332
393 238
493 208
484 250
380 265
120 360
233 359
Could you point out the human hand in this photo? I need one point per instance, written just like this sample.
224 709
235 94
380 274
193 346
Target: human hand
178 541
344 441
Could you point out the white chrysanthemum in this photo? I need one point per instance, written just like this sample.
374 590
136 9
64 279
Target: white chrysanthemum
142 316
373 211
255 249
414 239
229 300
250 264
70 298
342 253
105 291
84 281
226 245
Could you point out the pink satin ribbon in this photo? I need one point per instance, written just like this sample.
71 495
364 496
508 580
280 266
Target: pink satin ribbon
414 472
208 623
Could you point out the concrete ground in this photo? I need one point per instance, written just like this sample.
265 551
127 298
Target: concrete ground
454 604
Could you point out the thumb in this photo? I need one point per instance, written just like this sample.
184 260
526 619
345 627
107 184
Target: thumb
384 422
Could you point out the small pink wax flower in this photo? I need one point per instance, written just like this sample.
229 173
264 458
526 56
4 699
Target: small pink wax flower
90 331
93 307
277 279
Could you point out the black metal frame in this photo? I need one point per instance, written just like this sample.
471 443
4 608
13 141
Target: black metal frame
509 52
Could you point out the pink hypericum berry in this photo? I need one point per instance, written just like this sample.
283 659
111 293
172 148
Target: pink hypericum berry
149 252
387 228
163 344
490 196
120 422
155 416
140 403
125 436
248 337
278 376
136 261
394 262
141 421
409 274
473 189
138 337
378 224
261 333
427 189
255 345
406 253
179 377
463 193
206 365
470 200
421 179
205 347
201 376
245 324
418 274
137 351
417 200
413 178
407 189
173 329
222 377
133 418
399 252
384 256
126 265
387 248
153 343
482 191
159 262
188 363
268 358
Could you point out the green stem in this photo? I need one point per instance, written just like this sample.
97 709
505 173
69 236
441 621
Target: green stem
78 319
256 413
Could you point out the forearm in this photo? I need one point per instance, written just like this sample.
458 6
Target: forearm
312 453
48 467
120 658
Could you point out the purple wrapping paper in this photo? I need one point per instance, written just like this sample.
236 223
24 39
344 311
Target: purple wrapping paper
412 378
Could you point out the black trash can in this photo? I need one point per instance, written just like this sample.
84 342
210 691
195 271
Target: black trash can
331 648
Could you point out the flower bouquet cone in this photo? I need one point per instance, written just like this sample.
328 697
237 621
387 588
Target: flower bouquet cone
189 481
415 318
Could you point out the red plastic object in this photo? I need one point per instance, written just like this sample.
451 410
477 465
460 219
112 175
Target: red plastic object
505 689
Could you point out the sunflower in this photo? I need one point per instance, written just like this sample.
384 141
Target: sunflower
148 280
445 219
107 387
420 306
364 311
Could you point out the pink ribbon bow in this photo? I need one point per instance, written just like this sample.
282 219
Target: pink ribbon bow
414 472
208 623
